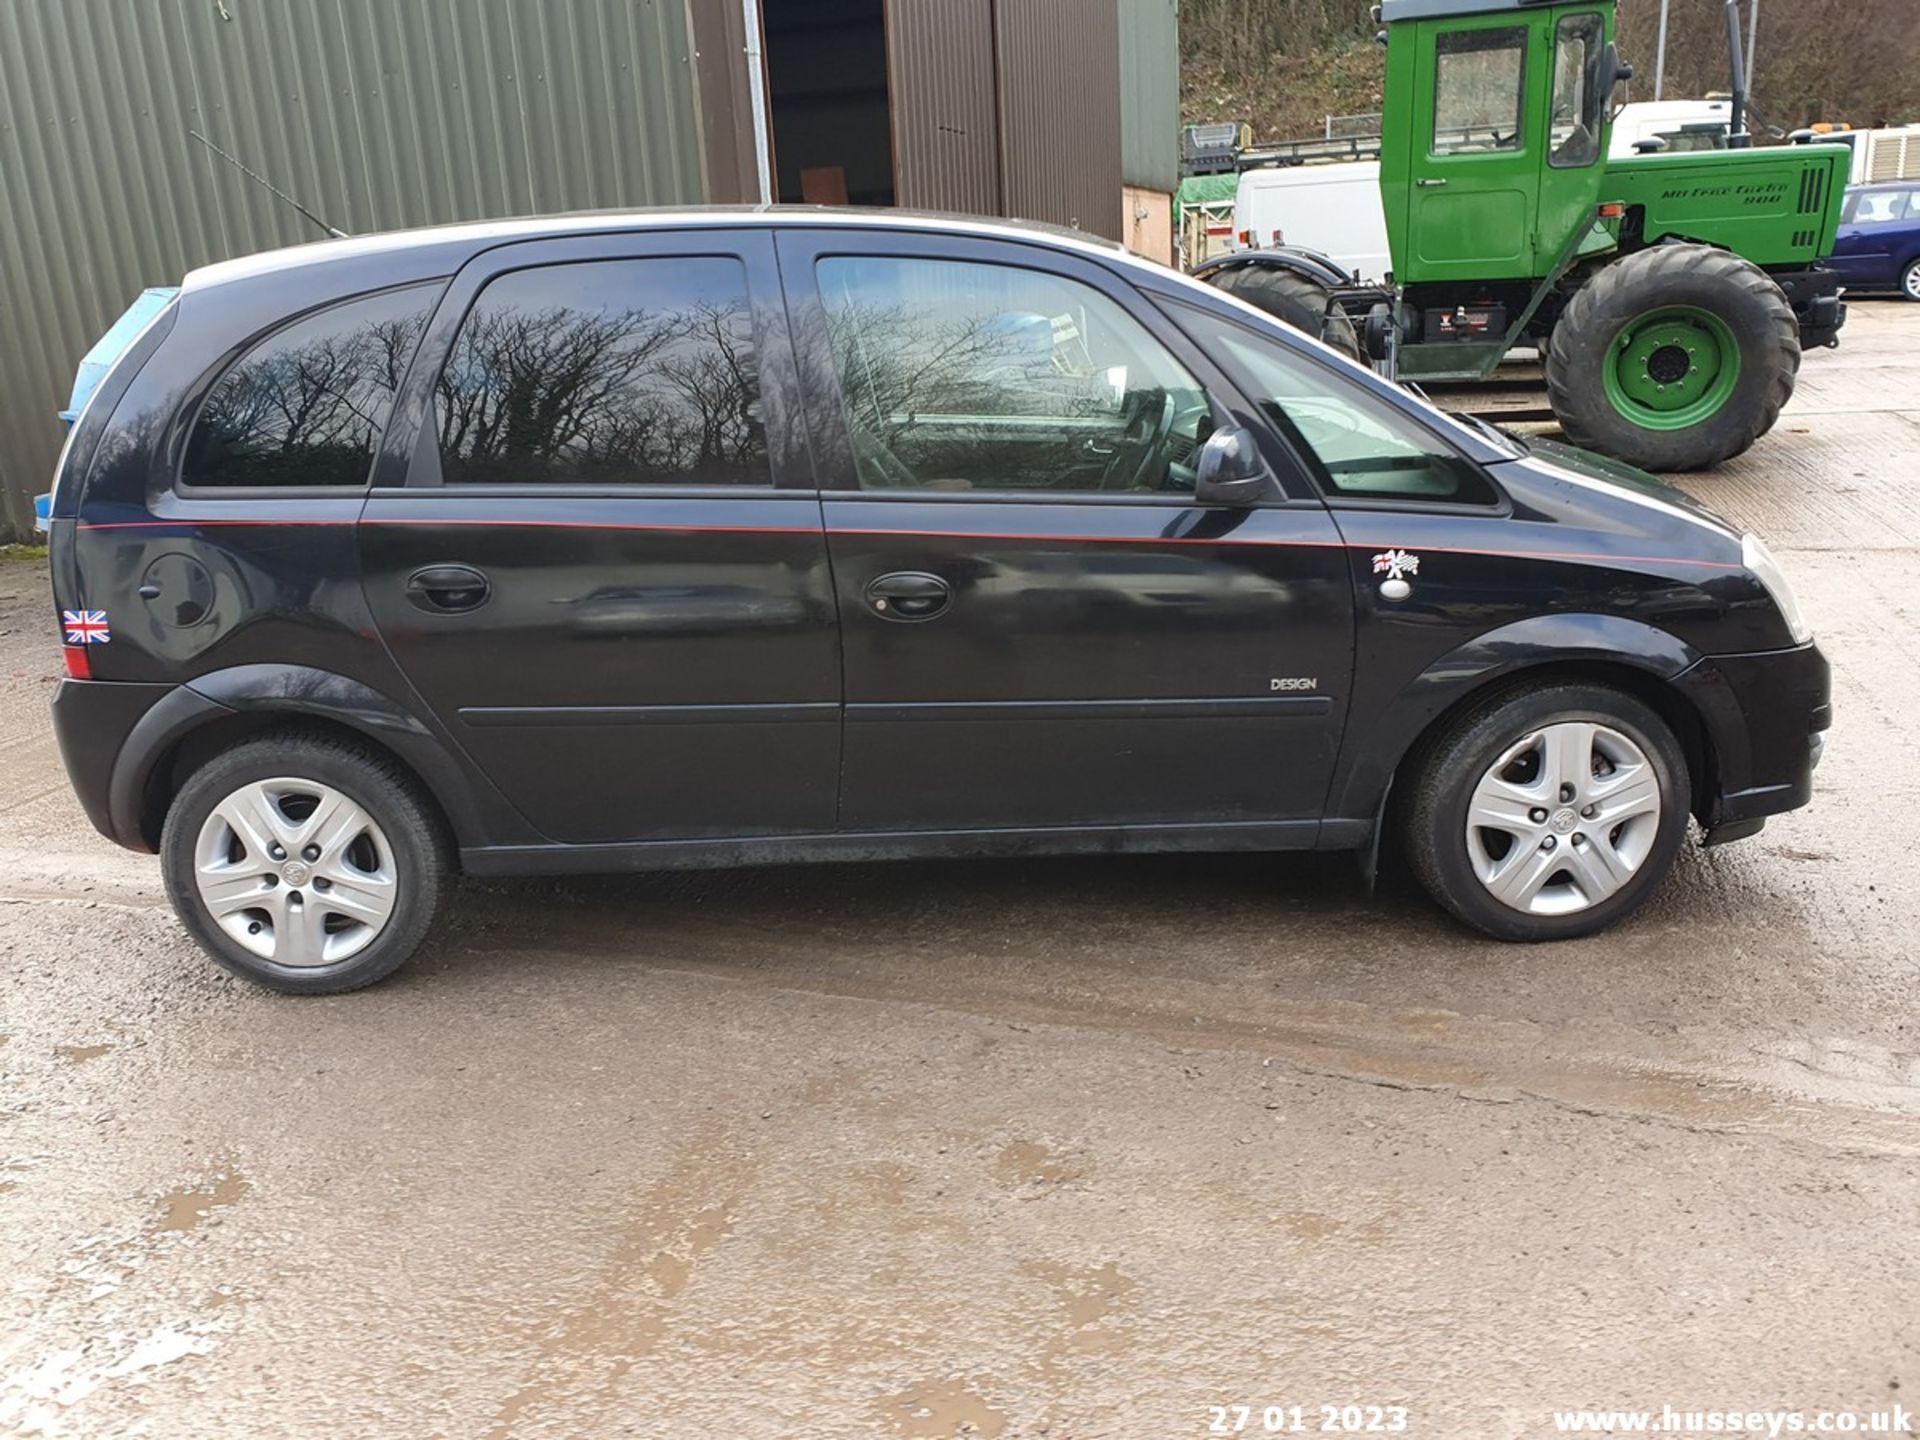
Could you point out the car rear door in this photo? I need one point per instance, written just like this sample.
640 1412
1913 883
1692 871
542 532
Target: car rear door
594 548
1041 627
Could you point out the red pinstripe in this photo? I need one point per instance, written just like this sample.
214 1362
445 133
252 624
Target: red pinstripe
1576 556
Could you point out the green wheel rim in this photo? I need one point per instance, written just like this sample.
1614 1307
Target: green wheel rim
1672 368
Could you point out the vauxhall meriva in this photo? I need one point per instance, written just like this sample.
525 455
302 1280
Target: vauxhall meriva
626 541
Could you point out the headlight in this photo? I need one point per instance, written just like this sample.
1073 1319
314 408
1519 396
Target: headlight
1764 568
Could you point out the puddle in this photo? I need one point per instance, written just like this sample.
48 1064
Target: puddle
80 1054
186 1208
658 1244
1087 1296
943 1410
1311 1225
1027 1162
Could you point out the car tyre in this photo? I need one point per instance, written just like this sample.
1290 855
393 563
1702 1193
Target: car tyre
344 909
1910 281
1634 756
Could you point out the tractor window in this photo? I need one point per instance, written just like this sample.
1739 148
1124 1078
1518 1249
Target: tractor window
1579 101
1479 91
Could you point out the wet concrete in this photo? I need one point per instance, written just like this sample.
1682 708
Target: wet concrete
1063 1149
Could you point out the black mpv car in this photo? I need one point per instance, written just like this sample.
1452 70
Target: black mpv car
627 541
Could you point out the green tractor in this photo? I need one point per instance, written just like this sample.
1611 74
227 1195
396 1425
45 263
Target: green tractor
1670 295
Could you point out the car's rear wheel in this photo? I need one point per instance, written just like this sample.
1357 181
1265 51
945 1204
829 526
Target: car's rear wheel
1910 281
304 863
1548 812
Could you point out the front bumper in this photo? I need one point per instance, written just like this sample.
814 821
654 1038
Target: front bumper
1815 296
1766 718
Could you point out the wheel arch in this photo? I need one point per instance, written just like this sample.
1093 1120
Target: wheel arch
1659 694
1310 263
1653 665
215 711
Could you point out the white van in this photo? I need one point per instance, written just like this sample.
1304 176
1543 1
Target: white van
1335 208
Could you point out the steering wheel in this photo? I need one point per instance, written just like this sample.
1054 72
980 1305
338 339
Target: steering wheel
1148 420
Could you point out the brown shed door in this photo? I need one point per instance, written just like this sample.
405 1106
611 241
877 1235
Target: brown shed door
1060 112
946 143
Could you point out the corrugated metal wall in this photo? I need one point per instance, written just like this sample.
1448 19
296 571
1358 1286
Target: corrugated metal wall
1150 93
1060 123
945 125
375 114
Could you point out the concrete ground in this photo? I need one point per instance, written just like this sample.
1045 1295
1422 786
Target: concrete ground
1067 1149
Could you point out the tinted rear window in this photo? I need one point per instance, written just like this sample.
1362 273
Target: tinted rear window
306 406
606 372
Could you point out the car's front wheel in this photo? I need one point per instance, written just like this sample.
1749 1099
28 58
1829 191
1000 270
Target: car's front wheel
1549 812
304 863
1910 281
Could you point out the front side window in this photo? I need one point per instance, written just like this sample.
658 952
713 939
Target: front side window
306 406
961 376
1579 99
1362 446
606 372
1878 207
1479 91
1695 138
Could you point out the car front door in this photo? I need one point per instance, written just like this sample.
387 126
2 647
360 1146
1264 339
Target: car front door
1041 627
596 551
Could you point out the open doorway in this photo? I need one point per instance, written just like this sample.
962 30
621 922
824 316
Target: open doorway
827 91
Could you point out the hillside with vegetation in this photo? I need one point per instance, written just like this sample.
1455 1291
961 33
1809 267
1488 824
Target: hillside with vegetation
1284 65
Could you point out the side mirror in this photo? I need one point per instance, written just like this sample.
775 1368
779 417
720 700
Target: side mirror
1231 470
1651 145
1613 69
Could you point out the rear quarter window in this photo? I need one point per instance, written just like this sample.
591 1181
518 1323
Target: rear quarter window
304 408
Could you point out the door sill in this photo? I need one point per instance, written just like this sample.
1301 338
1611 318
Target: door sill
887 845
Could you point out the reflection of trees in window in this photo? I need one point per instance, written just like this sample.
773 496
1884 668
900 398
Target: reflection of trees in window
548 381
306 406
958 375
945 397
899 364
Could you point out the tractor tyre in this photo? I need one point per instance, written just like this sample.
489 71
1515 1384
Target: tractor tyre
1674 358
1297 300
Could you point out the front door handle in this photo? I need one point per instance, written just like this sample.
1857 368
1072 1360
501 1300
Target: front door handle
909 595
1429 181
448 589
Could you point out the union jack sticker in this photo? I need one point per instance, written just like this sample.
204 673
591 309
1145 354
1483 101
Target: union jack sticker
85 627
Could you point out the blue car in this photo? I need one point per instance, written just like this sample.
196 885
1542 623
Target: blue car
1879 244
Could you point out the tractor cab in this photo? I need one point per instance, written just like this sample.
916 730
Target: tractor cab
1669 295
1494 136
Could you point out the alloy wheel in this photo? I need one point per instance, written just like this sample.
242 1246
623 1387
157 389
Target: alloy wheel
1564 819
295 871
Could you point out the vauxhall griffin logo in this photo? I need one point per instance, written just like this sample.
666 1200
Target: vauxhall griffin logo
1396 564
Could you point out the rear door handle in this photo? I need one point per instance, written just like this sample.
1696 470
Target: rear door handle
909 595
448 589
